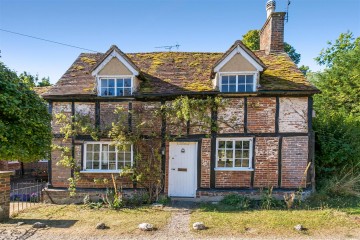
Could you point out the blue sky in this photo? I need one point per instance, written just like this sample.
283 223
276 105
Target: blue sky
141 25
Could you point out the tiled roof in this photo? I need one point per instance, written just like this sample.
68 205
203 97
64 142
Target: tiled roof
41 90
179 73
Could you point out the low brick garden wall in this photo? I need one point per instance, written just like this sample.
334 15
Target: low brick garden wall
5 195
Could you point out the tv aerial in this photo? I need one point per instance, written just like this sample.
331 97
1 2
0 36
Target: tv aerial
287 11
170 47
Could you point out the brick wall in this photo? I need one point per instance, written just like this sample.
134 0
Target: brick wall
5 194
107 115
232 179
4 165
293 114
60 174
266 162
60 107
294 161
261 114
205 162
87 109
231 119
272 33
148 114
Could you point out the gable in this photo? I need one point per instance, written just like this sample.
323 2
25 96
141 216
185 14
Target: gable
237 64
115 67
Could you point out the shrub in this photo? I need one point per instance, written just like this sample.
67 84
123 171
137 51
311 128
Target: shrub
237 201
345 183
268 201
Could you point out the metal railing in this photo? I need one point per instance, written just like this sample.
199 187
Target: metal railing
25 194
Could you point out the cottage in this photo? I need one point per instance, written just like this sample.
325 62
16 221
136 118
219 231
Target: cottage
263 138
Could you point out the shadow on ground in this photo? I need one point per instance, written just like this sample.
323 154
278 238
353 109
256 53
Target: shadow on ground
50 223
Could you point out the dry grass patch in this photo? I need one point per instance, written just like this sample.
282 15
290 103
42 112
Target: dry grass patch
77 219
276 223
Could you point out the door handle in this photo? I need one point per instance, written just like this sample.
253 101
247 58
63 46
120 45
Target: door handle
173 169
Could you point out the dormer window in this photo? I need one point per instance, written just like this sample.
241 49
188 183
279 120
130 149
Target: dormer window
115 86
238 83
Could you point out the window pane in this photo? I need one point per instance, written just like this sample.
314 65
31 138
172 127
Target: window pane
89 156
238 145
104 92
249 88
112 165
221 163
111 83
120 92
224 80
105 147
120 83
88 164
221 153
237 162
241 79
111 91
96 156
95 165
120 157
104 165
104 158
245 154
225 88
241 88
89 147
229 163
232 88
112 148
238 154
104 83
128 156
229 144
249 79
246 144
229 154
127 82
221 144
232 79
112 157
245 163
96 147
127 91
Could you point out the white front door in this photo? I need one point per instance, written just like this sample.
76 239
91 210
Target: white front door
182 169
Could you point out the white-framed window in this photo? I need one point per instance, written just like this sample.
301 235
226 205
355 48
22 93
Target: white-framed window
238 82
234 154
106 157
115 86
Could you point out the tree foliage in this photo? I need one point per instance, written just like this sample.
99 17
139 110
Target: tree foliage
251 39
337 122
25 131
33 80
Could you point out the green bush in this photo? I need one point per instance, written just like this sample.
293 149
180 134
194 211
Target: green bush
237 201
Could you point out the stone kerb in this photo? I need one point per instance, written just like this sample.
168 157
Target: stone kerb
5 194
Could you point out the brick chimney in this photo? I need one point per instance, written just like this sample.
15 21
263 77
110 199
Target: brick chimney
272 33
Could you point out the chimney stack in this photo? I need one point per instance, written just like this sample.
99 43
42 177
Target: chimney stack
272 33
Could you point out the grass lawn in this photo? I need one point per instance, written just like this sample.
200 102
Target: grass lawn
77 219
278 223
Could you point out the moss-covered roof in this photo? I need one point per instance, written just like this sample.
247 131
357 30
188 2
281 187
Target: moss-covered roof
180 73
41 90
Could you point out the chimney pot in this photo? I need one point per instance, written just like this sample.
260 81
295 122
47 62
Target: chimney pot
270 7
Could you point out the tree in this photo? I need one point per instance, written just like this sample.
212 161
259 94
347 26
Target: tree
252 40
25 131
304 69
337 122
44 82
29 79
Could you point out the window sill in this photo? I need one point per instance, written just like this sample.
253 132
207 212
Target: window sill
235 169
100 171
